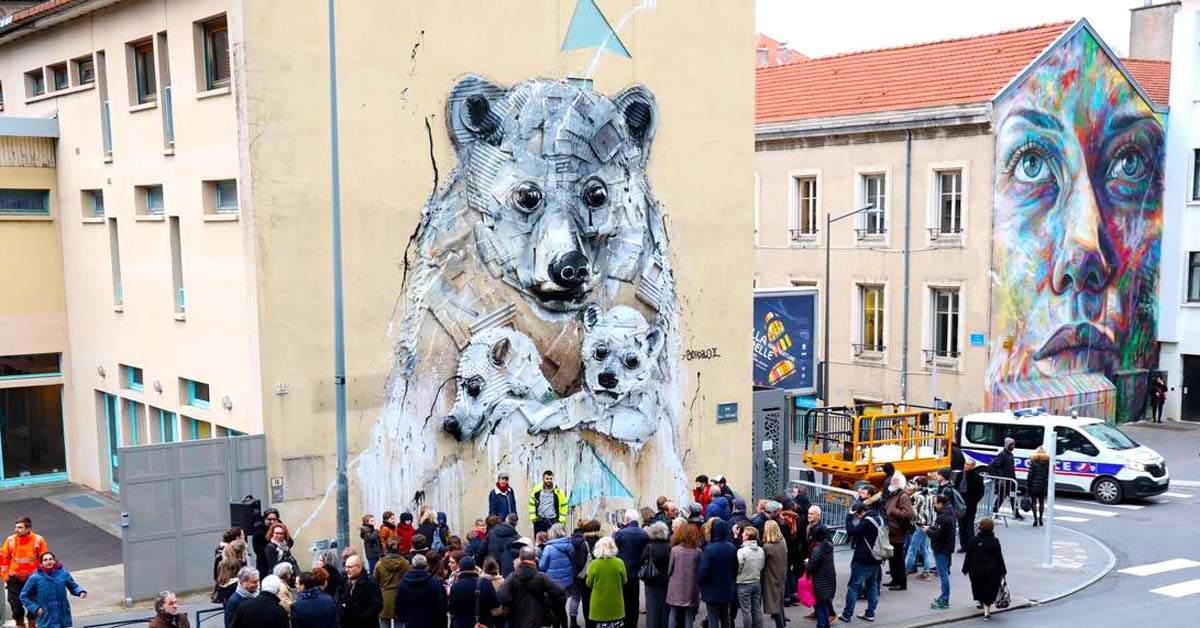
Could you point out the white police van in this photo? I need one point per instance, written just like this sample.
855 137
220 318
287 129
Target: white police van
1092 456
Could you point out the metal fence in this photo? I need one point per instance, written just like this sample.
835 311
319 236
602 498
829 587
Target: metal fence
202 615
834 503
997 492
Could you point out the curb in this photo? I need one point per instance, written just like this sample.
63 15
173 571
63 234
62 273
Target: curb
1017 603
1112 562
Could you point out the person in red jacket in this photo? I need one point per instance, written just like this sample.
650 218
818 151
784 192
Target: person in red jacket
405 531
701 494
18 561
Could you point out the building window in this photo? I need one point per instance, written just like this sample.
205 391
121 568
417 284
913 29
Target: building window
804 207
133 378
216 53
85 70
226 196
114 252
871 335
196 393
1196 174
35 83
59 74
1 96
150 200
949 201
177 267
1193 293
93 203
763 57
162 426
874 193
31 365
196 429
145 87
24 202
945 322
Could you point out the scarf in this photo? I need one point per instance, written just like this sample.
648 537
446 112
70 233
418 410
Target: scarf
51 571
244 593
500 489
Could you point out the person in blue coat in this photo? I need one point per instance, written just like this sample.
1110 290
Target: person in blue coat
556 557
720 508
631 542
502 501
717 575
313 607
45 593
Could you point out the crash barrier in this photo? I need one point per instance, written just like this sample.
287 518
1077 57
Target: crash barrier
834 503
996 500
202 615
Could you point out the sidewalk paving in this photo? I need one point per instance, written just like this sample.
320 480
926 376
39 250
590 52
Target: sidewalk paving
1079 560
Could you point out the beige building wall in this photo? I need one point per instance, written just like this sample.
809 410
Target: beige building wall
837 162
210 342
33 312
397 63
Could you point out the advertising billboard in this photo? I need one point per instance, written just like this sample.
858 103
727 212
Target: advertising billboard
784 334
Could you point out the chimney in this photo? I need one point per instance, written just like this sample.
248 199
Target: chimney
1150 29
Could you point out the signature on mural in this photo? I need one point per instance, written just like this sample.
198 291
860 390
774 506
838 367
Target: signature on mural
541 304
1078 218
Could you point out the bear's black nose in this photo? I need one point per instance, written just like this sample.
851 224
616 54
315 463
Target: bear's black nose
570 270
608 380
452 426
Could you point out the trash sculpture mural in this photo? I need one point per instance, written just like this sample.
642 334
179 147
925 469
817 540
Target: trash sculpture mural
538 326
1078 218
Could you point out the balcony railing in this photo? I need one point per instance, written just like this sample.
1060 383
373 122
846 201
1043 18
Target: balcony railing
867 348
870 233
942 356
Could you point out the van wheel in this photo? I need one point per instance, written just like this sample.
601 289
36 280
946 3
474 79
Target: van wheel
1107 491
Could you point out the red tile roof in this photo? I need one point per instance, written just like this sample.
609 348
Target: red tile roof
956 71
773 47
1154 76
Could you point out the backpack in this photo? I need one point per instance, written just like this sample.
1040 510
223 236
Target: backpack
958 507
881 549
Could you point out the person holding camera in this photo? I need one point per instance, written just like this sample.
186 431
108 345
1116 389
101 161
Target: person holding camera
864 525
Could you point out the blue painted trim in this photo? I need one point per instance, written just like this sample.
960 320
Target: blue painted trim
192 400
112 423
33 480
11 126
6 378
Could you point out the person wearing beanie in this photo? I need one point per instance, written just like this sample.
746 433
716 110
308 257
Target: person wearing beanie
462 604
405 531
263 610
503 499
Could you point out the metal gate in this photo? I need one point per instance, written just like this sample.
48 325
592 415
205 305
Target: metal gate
175 504
770 444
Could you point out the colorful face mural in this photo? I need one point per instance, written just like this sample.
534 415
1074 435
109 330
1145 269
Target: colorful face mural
539 325
1078 217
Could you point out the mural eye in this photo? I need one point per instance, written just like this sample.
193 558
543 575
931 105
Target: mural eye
1129 165
600 352
631 361
527 196
595 193
474 387
1031 167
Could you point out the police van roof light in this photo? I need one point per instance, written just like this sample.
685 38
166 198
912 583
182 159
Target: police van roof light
1024 412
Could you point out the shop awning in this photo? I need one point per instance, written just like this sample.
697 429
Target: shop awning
1089 394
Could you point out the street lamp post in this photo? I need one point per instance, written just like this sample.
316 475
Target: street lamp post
829 220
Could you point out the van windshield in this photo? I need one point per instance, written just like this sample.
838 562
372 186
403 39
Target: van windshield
1109 436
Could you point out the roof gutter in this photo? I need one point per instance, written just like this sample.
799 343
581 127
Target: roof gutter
45 15
874 122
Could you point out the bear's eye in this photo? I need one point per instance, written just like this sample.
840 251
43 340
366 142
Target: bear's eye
631 361
595 193
474 386
527 196
601 351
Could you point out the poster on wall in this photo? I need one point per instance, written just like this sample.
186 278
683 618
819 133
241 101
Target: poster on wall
784 333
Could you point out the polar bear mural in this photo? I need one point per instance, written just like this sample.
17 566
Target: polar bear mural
547 231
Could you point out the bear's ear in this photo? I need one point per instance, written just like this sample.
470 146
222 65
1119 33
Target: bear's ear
590 316
499 352
471 112
654 341
641 116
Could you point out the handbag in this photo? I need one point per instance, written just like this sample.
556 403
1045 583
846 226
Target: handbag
1026 504
805 591
478 586
649 571
1003 599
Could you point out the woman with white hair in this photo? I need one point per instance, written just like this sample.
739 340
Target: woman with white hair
631 540
606 578
287 575
655 574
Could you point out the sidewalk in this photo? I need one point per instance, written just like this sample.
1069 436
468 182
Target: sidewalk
1078 561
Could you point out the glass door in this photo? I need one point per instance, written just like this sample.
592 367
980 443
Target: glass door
32 447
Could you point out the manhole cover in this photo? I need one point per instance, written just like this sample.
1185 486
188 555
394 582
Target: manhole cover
85 502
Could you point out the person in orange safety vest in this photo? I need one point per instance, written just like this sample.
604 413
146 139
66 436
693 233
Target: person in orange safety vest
18 561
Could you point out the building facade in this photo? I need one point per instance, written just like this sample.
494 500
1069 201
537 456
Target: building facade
537 234
1179 329
952 286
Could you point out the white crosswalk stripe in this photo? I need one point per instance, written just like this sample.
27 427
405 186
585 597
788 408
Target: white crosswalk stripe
1085 511
1162 567
1072 519
1179 589
1177 496
1121 506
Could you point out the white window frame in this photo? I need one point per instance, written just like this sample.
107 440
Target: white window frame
935 238
793 208
860 200
858 340
929 323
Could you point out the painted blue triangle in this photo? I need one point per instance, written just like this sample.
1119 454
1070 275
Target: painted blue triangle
595 479
590 29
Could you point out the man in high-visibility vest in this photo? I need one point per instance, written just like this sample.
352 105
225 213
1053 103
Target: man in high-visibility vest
18 560
547 504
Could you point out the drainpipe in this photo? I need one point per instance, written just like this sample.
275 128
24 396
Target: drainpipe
907 239
339 327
